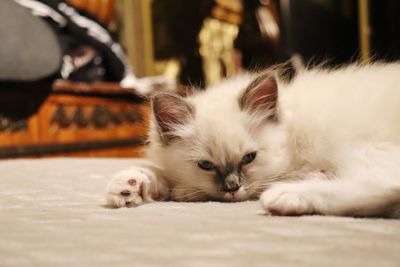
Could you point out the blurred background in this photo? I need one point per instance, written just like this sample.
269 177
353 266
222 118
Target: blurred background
75 76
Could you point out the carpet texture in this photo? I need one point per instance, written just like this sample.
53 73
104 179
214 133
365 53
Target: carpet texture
52 214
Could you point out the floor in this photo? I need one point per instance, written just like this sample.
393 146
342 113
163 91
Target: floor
52 213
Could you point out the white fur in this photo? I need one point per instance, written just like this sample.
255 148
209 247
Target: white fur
345 120
133 186
334 150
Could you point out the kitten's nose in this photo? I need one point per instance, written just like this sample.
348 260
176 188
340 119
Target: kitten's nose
231 183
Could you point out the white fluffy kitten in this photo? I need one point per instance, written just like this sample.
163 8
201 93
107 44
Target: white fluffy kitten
327 142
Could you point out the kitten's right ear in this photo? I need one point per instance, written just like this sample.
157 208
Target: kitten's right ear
170 112
261 97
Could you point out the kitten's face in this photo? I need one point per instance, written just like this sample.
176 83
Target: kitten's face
220 152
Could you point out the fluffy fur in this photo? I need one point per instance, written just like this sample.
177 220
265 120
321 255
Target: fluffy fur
327 142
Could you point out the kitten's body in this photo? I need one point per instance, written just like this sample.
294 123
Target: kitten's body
328 142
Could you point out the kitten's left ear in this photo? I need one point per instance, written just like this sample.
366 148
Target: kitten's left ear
170 112
261 96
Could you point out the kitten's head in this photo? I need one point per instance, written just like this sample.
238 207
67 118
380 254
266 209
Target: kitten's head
222 144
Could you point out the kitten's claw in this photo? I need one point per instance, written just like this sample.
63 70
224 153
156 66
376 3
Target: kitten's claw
128 188
286 199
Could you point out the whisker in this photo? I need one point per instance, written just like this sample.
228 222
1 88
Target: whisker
261 185
191 196
193 193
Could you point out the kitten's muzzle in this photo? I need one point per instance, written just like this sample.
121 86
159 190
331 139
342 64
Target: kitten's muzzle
231 183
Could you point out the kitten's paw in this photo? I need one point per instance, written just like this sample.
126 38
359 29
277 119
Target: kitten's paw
128 188
286 199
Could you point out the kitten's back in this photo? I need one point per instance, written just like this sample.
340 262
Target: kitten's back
355 102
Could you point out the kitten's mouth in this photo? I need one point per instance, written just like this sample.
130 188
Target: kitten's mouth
236 196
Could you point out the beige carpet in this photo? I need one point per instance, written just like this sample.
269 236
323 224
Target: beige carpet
52 214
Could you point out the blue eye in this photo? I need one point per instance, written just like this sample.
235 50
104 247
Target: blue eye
206 165
249 158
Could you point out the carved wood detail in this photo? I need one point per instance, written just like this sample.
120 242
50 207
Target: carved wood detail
60 117
8 124
79 119
100 117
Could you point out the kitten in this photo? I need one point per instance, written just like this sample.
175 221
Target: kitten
326 142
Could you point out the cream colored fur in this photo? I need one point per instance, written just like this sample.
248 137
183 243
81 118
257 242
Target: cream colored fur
334 148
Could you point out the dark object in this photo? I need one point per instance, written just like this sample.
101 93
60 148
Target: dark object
51 39
385 29
321 30
29 49
176 34
258 51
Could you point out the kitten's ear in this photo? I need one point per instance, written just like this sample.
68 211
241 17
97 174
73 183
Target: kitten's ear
261 96
170 112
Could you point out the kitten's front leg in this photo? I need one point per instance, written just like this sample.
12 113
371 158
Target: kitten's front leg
134 186
339 196
367 184
297 197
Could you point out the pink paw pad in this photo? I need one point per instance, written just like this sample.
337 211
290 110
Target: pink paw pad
132 181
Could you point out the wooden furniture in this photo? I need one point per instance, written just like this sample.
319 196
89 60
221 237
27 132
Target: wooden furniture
73 119
102 9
